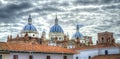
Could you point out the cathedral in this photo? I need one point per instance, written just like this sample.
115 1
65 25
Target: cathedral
57 37
29 45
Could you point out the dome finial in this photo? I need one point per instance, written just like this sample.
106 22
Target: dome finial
77 28
56 20
29 19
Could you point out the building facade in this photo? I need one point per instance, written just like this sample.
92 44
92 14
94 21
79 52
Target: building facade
33 51
105 38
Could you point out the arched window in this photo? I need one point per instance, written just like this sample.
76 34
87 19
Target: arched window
97 42
33 35
108 40
76 57
60 38
112 40
102 40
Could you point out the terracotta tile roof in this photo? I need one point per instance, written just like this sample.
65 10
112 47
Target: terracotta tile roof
34 48
94 46
3 46
112 56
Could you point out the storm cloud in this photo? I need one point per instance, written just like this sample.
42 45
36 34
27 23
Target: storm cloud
10 12
94 15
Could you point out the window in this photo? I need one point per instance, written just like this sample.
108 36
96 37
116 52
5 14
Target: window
60 38
89 57
30 37
40 41
76 57
102 40
108 40
0 56
33 35
48 57
113 41
106 52
64 57
15 56
52 38
30 57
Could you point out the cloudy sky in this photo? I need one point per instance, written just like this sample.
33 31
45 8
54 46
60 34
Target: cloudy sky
94 16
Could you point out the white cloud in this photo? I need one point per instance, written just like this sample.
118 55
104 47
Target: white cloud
94 17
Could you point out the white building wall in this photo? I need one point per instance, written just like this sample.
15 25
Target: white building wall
84 54
58 35
40 56
30 34
69 56
111 50
5 56
20 55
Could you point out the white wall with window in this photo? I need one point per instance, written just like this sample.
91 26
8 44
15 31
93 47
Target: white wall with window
40 56
4 56
85 54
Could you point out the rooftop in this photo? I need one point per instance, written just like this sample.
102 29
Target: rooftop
96 46
23 47
112 56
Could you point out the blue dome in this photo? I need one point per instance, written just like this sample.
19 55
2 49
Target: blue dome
56 28
29 27
77 35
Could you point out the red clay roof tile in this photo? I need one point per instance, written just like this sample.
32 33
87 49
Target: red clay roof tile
34 48
95 46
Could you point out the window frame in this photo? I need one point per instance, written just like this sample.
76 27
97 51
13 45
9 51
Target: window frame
30 56
64 57
77 57
15 56
48 57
